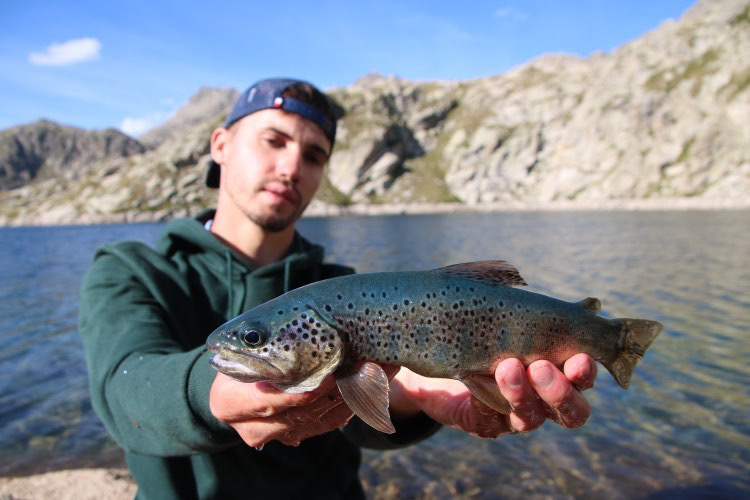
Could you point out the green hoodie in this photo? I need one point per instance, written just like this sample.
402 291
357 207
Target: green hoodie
144 318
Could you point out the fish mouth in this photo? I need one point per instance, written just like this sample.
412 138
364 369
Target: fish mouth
245 367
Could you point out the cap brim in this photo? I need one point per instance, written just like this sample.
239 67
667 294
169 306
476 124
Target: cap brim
213 175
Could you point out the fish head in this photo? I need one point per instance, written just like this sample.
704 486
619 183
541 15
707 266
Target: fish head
284 342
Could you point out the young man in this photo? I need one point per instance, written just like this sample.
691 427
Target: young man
190 432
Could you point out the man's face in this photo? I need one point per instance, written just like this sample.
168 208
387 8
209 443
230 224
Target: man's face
272 162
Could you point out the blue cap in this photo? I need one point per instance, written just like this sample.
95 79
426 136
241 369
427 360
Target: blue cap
267 94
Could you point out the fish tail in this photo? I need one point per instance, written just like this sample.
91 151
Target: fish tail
636 336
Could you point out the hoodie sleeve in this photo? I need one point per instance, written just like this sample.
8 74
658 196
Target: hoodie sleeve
150 392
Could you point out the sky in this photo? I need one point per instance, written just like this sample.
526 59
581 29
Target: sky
130 65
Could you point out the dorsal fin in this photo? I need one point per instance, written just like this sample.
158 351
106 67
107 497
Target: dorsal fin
494 272
591 305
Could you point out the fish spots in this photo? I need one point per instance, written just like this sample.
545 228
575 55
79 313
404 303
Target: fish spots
328 308
350 306
280 313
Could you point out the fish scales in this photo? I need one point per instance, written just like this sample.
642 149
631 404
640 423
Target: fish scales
456 322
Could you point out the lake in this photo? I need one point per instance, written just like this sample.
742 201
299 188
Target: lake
682 429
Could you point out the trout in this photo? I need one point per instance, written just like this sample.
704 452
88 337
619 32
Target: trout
456 322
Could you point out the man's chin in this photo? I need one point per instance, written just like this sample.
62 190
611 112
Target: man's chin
278 221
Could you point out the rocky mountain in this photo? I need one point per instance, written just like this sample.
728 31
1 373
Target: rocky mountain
44 150
206 104
665 116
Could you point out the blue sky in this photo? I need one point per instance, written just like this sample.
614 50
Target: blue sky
131 64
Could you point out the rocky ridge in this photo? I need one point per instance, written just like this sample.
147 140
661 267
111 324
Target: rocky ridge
664 117
45 150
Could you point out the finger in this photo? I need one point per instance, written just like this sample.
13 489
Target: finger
233 401
565 403
581 371
297 424
480 420
528 412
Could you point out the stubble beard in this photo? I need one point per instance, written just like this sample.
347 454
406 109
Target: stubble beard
271 220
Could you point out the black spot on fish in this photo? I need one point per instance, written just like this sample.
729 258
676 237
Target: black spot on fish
323 338
280 313
501 304
471 289
458 290
406 302
328 308
303 315
442 293
295 322
286 347
350 305
314 354
313 331
384 295
372 295
367 312
395 306
305 336
339 296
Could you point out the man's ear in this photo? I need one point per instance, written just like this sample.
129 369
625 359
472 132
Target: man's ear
218 142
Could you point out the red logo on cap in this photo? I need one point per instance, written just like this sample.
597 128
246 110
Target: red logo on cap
278 102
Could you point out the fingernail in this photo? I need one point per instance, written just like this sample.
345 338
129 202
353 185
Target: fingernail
513 377
543 376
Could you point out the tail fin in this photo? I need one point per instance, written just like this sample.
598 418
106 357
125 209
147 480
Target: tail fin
636 337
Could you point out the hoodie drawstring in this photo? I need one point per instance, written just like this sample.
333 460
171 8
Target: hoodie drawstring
230 298
287 273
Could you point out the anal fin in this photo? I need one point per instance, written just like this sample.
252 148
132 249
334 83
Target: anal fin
365 391
485 389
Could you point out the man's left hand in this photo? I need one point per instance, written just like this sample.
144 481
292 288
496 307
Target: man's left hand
535 394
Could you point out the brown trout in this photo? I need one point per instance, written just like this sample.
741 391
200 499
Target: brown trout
455 322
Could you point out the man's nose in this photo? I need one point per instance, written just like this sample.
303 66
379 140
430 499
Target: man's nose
289 165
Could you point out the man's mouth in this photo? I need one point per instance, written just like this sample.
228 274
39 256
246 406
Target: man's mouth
282 191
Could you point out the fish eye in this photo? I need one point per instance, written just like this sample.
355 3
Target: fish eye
251 337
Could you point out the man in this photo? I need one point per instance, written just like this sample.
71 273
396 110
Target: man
190 432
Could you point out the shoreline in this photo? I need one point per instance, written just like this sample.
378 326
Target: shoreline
320 209
71 484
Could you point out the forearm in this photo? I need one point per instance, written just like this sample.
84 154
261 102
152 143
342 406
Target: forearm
157 404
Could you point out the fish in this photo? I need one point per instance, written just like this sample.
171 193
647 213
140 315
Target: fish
458 321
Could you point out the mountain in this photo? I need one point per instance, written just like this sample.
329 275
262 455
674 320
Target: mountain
44 149
666 116
206 104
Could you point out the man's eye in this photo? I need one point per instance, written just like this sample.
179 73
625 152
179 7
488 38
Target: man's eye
315 159
274 142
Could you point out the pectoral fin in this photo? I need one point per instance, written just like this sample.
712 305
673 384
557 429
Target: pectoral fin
486 390
365 391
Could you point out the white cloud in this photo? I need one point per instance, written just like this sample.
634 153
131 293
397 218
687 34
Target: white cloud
134 126
69 52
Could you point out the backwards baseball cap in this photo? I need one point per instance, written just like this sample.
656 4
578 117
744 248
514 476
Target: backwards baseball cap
267 94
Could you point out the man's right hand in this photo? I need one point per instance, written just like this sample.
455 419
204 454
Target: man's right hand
261 413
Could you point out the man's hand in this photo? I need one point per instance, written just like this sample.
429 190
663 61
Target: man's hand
261 413
535 394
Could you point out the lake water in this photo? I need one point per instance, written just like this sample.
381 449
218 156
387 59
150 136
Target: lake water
682 429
